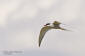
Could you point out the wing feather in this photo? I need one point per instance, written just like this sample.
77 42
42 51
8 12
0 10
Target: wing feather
42 33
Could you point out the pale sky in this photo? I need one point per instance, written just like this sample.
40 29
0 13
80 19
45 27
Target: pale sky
21 21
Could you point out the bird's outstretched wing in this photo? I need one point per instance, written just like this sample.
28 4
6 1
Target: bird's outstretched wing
42 33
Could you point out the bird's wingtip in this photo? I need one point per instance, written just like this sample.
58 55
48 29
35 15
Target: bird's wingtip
39 45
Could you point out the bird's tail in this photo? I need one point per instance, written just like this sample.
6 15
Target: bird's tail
65 29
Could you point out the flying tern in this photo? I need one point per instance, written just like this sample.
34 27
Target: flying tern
48 26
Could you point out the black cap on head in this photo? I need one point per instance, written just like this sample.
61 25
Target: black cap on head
47 24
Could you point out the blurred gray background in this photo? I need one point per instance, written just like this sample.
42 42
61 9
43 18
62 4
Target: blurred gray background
21 21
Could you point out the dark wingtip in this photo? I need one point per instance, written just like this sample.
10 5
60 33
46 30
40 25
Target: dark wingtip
39 44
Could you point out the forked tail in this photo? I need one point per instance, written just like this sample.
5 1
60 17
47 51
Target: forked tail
65 29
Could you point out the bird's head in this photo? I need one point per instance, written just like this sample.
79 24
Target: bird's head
47 24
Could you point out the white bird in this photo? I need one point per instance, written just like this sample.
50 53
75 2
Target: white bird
48 26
